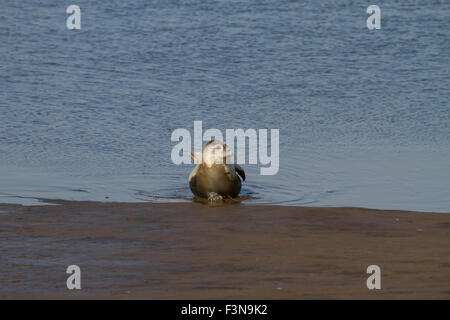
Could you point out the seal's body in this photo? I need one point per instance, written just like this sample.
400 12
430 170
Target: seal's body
213 177
219 178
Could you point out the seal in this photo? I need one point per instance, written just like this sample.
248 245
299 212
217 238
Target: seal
215 177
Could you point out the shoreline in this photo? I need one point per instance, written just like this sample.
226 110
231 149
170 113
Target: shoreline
241 200
238 251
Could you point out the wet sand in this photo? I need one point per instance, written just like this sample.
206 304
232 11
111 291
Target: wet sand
193 251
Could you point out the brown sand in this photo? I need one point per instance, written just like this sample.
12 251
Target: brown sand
192 251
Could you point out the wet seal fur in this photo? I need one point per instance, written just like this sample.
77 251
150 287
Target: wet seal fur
214 178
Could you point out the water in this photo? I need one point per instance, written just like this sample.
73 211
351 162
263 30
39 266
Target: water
364 116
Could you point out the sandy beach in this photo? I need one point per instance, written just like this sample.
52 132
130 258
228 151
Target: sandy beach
237 251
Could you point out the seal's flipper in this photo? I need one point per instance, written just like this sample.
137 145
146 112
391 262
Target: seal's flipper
215 198
240 171
196 157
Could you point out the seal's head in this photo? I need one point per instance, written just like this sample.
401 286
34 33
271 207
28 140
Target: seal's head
216 152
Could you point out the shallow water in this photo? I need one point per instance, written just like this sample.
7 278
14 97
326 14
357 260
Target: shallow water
364 116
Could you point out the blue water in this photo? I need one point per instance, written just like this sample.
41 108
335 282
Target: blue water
364 115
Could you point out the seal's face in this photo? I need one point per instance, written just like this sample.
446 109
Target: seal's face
216 152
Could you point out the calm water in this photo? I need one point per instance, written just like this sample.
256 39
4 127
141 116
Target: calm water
364 116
